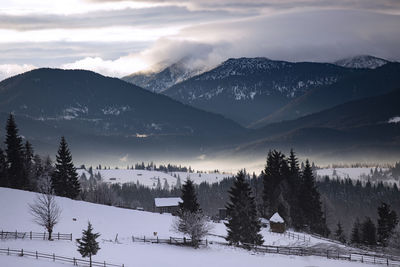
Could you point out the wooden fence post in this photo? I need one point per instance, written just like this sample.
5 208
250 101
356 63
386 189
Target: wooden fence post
58 235
8 251
157 239
104 263
22 252
144 239
16 234
74 261
170 240
184 240
36 255
387 261
71 236
44 235
54 257
30 235
133 239
206 242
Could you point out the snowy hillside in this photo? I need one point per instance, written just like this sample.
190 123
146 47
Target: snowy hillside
362 174
110 221
150 178
362 62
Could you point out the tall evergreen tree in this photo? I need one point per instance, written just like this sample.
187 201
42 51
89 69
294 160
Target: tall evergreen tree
339 234
276 193
243 224
28 155
189 199
387 221
16 174
356 232
87 245
295 186
368 232
65 178
310 202
3 169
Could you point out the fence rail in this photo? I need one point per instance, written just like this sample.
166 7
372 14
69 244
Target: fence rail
55 258
34 235
339 254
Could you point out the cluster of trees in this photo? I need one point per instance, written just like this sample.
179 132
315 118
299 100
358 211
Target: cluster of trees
369 234
21 168
344 199
161 167
292 192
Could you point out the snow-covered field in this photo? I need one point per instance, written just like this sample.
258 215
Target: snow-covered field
110 221
150 178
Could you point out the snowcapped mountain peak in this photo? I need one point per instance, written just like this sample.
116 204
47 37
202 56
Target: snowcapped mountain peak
165 77
243 66
362 62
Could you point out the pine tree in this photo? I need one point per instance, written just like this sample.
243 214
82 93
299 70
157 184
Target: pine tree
3 169
356 232
87 245
65 178
28 155
368 232
310 202
295 186
189 199
339 234
178 183
14 151
243 224
276 193
387 221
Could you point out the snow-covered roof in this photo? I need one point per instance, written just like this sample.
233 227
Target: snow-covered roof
276 218
167 201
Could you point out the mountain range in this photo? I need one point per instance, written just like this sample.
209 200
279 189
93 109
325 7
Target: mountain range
317 108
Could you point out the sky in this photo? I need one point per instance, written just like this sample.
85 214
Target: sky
117 38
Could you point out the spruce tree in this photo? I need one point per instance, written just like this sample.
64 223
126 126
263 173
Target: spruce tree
28 155
189 199
65 178
339 234
87 245
356 232
310 202
16 174
368 232
243 224
276 193
295 186
387 221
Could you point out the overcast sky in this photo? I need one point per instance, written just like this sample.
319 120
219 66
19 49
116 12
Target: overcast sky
117 38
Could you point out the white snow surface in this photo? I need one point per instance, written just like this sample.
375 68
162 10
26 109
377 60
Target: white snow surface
276 218
111 221
150 178
167 201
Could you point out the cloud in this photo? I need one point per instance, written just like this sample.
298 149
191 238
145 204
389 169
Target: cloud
8 70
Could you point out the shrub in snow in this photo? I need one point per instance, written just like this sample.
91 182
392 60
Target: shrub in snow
194 224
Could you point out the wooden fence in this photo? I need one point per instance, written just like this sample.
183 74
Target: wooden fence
52 257
33 235
341 254
171 240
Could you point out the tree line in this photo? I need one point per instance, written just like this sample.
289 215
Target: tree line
21 168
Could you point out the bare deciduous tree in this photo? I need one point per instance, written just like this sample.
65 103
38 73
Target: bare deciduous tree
45 211
194 224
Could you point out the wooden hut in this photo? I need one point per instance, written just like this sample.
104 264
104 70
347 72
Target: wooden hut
167 205
277 223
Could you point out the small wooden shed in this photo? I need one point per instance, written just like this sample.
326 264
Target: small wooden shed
167 205
277 223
